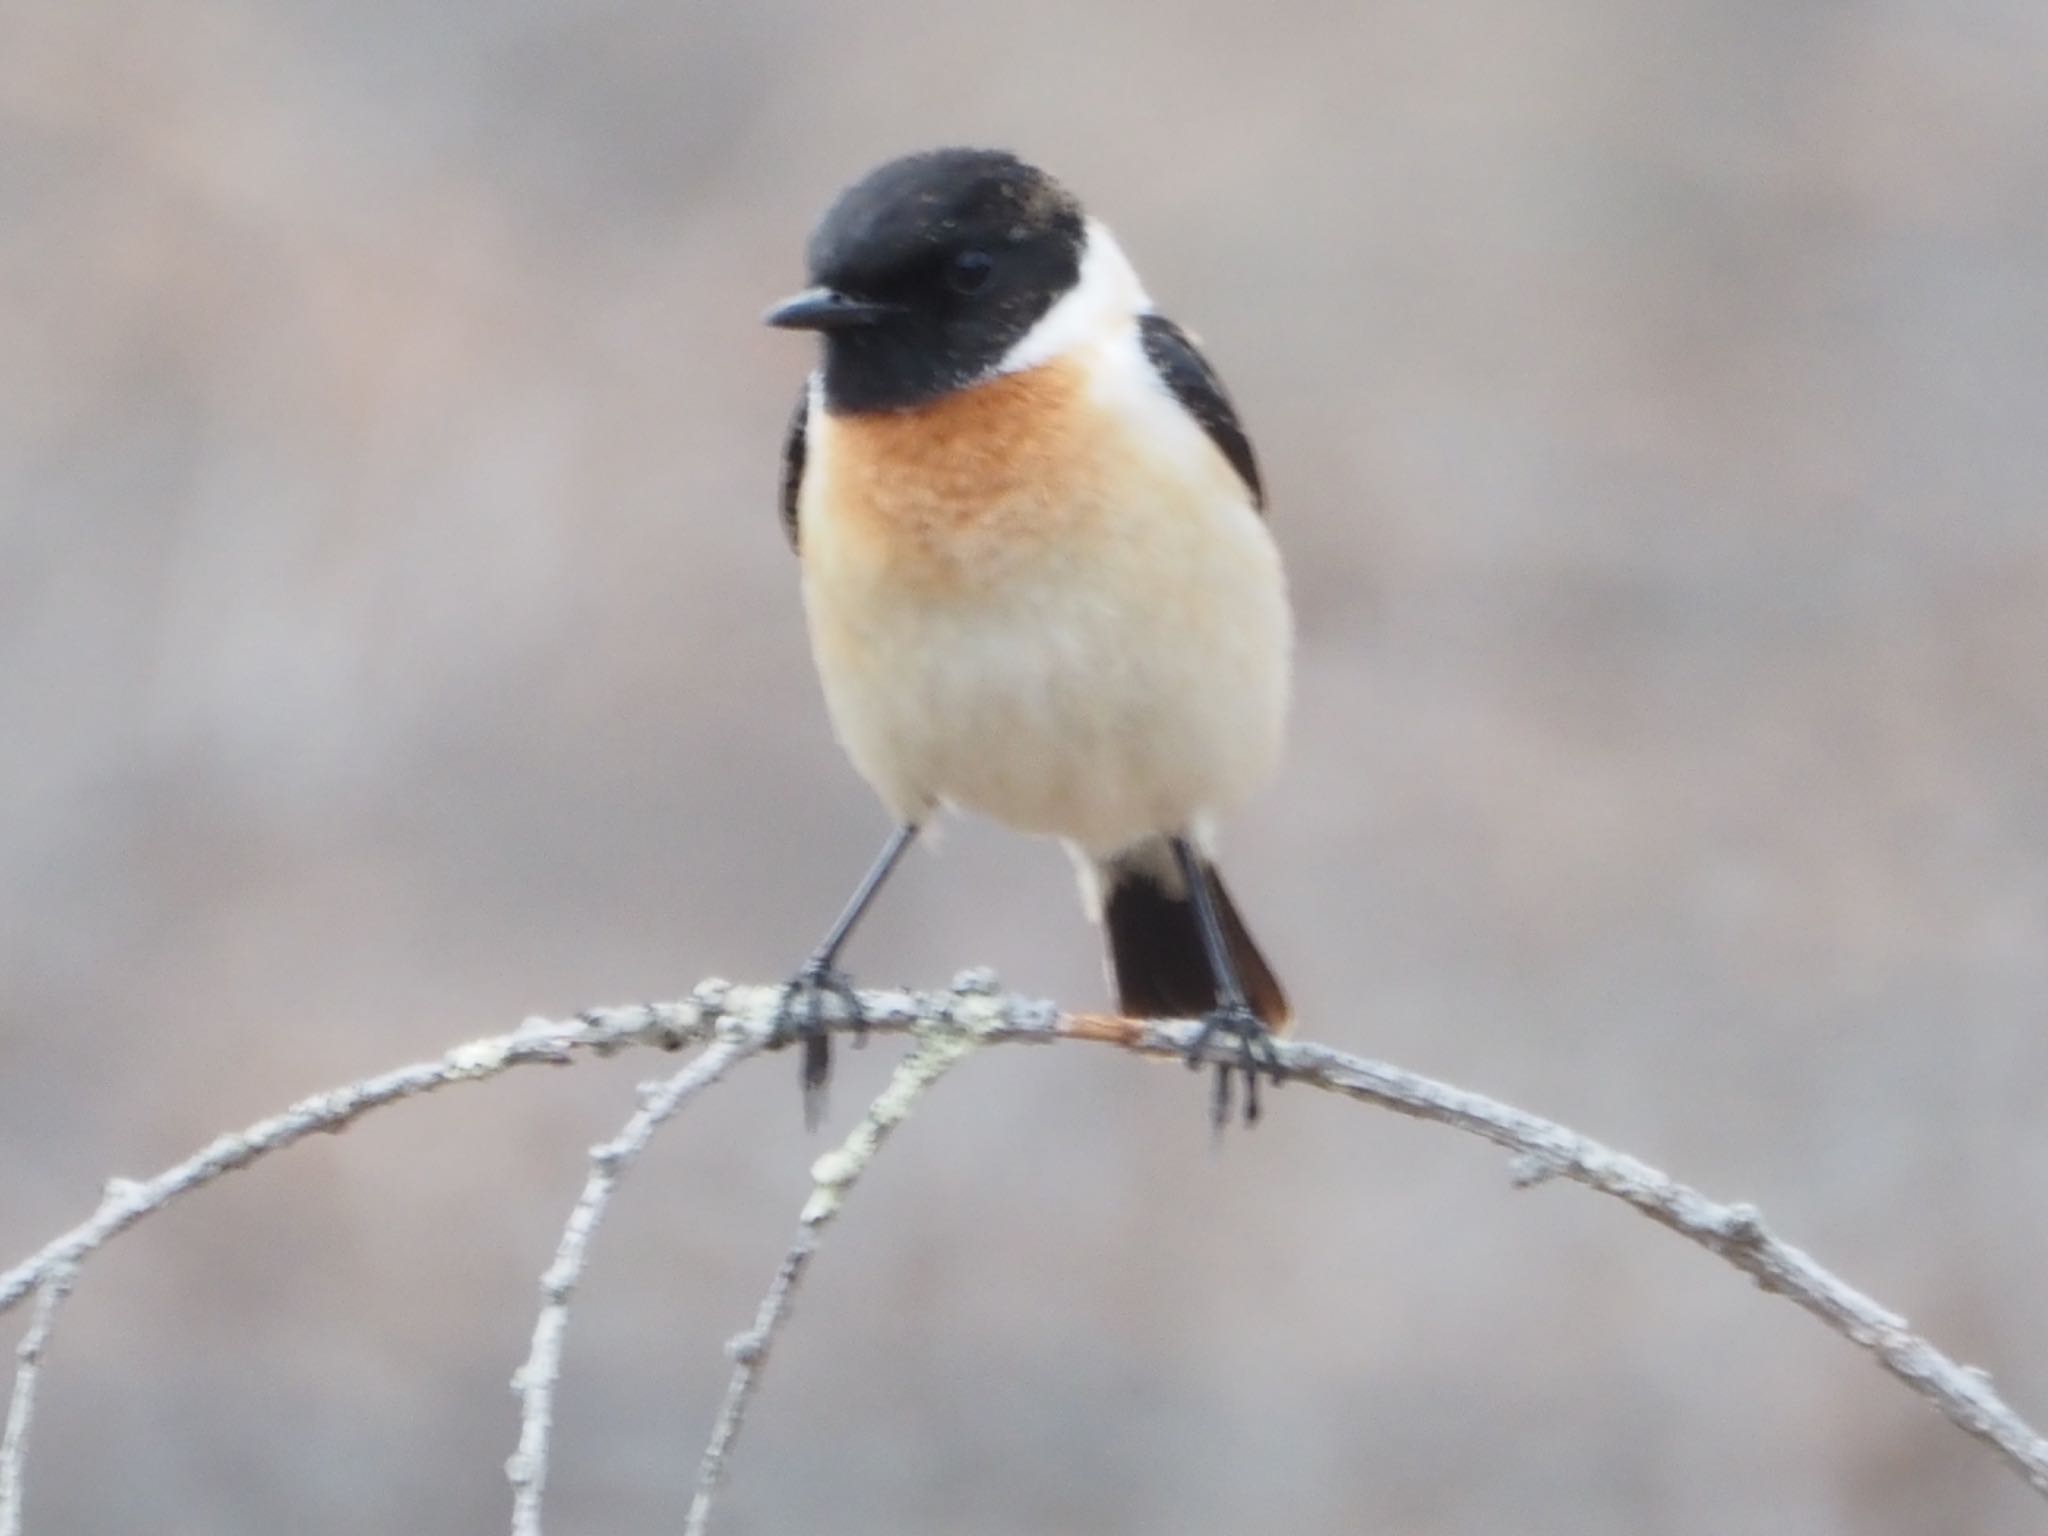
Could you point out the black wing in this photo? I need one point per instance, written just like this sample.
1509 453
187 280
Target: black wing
1195 385
793 464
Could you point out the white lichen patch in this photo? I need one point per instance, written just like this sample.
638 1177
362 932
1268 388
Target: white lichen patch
479 1058
835 1172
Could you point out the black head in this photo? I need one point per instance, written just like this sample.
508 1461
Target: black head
929 269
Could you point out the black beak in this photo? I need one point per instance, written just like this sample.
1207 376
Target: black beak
825 309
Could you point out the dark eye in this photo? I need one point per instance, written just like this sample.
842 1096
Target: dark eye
969 271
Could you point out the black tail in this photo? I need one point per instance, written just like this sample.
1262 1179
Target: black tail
1155 945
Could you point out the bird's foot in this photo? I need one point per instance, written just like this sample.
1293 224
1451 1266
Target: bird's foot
1255 1051
803 1016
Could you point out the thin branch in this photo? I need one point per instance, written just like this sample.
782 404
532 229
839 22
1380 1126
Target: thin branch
535 1380
127 1201
21 1406
833 1177
1543 1150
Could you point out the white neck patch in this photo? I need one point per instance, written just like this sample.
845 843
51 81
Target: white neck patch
1105 299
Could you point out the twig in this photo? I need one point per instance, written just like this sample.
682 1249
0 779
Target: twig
1736 1232
127 1201
1543 1150
535 1380
1546 1150
21 1407
833 1177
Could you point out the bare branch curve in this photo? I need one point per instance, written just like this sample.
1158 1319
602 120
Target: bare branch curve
743 1015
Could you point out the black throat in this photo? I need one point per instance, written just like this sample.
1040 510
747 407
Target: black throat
874 370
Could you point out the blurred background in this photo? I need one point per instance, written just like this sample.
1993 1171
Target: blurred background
397 639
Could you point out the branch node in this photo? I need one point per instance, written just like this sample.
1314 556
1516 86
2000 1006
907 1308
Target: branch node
1034 1018
835 1169
977 981
478 1058
746 1348
1744 1224
1528 1169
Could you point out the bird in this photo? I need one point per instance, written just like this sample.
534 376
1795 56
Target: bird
1037 576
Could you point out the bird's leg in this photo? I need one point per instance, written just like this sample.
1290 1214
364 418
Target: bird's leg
801 1014
1232 1014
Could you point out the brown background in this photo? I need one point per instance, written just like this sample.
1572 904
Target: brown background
396 639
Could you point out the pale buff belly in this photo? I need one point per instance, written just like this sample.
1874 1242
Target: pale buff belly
1100 655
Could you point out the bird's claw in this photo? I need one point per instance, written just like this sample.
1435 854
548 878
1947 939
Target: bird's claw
802 1016
1255 1052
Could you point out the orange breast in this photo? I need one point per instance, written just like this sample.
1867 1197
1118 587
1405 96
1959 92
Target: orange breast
967 485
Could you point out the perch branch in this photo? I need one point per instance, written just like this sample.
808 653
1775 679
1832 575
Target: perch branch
833 1177
535 1380
1542 1150
21 1406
